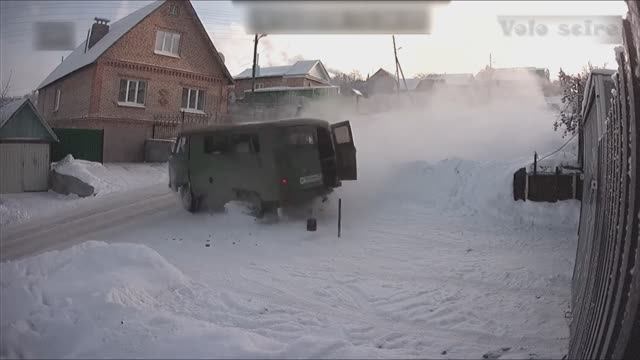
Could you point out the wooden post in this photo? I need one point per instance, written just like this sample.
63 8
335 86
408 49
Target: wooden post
532 188
339 217
557 196
253 73
395 55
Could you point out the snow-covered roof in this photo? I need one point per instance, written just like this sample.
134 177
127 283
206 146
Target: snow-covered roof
412 84
9 109
452 79
300 68
79 58
292 88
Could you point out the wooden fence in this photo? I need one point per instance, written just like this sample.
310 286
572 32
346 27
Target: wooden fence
605 304
167 126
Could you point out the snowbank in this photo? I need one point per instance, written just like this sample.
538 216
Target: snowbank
125 300
86 171
106 179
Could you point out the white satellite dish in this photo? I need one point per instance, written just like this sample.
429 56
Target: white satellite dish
221 56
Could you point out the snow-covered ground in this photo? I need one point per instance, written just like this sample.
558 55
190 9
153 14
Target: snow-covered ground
106 179
436 260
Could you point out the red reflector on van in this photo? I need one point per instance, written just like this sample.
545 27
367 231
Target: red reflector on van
284 181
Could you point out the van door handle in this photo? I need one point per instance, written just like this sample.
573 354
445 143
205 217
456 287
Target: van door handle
210 180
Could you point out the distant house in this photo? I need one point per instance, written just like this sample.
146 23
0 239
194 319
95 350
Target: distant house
513 76
156 63
304 73
446 80
383 82
25 140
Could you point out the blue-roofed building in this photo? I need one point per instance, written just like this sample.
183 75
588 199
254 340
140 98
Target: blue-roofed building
25 148
304 73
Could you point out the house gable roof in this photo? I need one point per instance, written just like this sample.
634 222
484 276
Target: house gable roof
216 54
8 110
300 68
79 58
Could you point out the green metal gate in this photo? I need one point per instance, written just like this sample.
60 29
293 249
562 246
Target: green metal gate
85 144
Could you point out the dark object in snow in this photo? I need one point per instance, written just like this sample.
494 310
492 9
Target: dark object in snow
519 184
538 296
65 184
469 250
207 245
234 243
444 352
121 322
312 224
495 354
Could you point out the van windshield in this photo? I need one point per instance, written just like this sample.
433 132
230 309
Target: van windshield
300 136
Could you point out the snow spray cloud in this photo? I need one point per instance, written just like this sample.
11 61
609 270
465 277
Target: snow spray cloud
503 118
496 119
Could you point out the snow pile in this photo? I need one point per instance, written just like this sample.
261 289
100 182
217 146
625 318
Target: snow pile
106 179
124 300
86 171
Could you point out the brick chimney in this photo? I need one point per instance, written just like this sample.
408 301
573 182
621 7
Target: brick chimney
99 29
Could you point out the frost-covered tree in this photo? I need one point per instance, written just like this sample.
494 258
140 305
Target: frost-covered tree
572 87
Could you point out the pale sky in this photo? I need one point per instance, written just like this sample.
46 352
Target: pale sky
464 34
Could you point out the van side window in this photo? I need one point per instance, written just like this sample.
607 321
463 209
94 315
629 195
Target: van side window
216 144
245 143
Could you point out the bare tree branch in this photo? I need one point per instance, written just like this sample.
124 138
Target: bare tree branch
5 87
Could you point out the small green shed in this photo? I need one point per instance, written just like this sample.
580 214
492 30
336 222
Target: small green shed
25 148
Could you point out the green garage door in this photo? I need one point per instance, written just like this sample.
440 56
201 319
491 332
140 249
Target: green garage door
85 144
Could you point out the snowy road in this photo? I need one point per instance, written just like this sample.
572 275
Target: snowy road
432 276
73 226
436 259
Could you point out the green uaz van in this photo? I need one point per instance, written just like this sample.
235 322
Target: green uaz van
268 164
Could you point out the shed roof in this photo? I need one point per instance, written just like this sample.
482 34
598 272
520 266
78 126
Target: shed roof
8 110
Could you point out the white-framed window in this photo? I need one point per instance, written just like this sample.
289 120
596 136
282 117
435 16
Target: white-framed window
259 85
132 92
193 99
56 104
173 10
167 43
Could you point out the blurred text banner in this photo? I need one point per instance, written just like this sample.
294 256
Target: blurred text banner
54 35
338 17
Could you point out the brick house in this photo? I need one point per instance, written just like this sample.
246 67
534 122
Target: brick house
156 63
304 73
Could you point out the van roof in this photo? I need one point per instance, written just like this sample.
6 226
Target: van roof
256 125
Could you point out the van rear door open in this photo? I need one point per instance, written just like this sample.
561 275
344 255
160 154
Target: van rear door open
345 151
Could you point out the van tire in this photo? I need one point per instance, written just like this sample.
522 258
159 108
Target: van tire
186 198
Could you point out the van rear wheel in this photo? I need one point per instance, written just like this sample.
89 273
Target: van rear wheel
186 198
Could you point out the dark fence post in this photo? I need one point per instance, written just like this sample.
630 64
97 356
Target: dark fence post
339 216
557 195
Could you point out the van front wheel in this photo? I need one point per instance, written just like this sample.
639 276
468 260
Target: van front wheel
186 198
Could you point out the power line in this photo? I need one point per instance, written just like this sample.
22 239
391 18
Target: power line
560 148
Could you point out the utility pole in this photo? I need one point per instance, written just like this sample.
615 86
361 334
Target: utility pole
402 73
253 74
398 68
490 61
255 60
395 54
